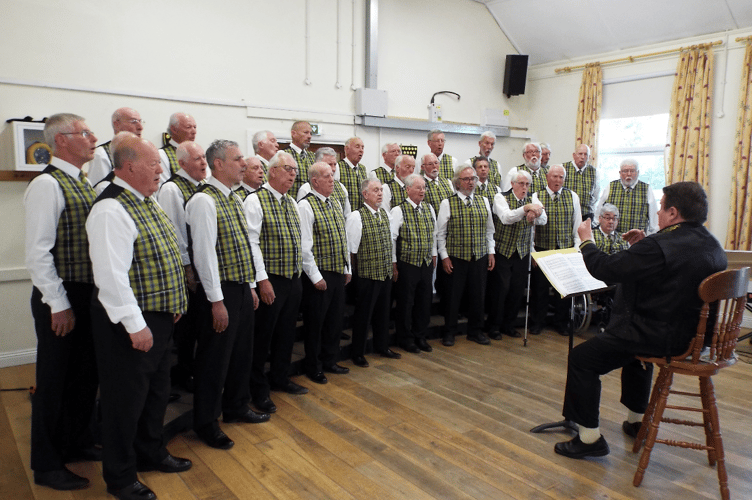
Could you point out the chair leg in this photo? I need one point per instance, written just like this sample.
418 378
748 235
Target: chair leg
717 441
652 431
706 419
648 417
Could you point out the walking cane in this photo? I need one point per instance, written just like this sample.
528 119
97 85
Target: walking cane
529 272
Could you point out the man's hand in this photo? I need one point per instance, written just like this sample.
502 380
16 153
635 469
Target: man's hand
190 278
176 317
142 340
533 208
491 261
633 236
348 278
266 291
530 216
585 230
63 322
433 261
447 263
255 298
220 318
394 272
320 285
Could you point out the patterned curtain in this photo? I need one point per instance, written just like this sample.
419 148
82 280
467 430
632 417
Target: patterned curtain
589 108
689 130
740 207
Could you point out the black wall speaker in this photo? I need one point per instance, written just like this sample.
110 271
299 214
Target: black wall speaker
515 74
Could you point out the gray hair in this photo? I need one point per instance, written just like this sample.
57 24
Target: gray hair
277 159
318 169
544 145
385 147
59 124
182 150
123 150
218 149
433 133
174 121
325 151
524 148
423 158
488 134
525 175
347 143
629 161
608 208
400 158
367 182
410 179
258 137
458 170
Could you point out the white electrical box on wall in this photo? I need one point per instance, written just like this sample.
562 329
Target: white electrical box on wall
494 118
371 102
22 147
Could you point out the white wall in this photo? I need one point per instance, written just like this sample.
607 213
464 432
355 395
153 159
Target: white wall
237 66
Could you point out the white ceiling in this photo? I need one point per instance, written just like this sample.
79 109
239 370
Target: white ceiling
559 30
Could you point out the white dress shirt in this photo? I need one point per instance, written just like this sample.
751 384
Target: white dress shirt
398 219
165 162
171 199
354 227
386 199
306 188
509 216
99 166
443 220
306 238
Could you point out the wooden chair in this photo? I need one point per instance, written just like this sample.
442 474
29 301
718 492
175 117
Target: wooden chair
727 289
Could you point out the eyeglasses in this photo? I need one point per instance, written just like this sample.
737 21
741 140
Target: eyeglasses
610 218
469 179
628 170
135 121
289 169
84 133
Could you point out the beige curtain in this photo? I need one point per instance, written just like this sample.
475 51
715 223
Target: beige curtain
740 207
589 108
690 115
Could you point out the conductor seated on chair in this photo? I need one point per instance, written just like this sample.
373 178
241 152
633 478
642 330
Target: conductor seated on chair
656 311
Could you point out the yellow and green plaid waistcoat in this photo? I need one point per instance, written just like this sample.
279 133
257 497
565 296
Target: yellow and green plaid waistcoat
375 250
329 237
610 245
384 175
466 228
280 235
437 191
352 178
446 167
107 146
557 233
399 193
415 239
340 195
304 160
633 205
494 176
515 237
172 155
488 191
583 184
186 187
539 182
243 192
71 250
156 275
234 256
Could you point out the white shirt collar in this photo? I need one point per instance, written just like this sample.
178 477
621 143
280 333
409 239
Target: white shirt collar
182 173
120 182
276 193
66 167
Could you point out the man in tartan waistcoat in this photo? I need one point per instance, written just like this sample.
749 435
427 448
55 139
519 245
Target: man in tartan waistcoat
582 179
514 215
531 153
141 294
607 238
56 204
265 146
395 191
123 120
182 127
326 263
222 257
274 226
253 178
370 243
385 172
352 173
486 143
545 154
329 156
437 188
465 245
300 133
172 196
563 211
634 199
485 187
414 259
447 163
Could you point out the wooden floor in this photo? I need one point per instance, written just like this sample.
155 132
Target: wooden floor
452 424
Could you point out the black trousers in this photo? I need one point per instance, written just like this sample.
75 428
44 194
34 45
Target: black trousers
598 356
372 308
322 321
223 360
187 331
467 282
511 277
414 293
540 300
135 387
275 335
62 406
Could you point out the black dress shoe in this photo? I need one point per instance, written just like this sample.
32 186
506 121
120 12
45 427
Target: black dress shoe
448 340
577 449
423 345
91 454
479 338
247 417
535 330
266 405
337 369
135 491
511 332
290 387
216 439
360 361
411 348
344 336
390 354
631 429
169 464
317 377
61 479
494 334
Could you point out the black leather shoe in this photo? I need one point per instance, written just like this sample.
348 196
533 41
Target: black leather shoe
448 340
511 332
494 335
91 454
248 417
423 345
266 405
216 439
411 348
290 387
344 336
479 338
535 330
136 491
169 464
390 354
317 377
577 449
631 429
360 361
61 479
337 369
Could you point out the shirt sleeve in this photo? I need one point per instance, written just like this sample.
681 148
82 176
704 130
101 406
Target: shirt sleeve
576 218
170 198
386 199
354 229
306 241
395 224
652 213
490 229
165 163
254 214
201 215
441 228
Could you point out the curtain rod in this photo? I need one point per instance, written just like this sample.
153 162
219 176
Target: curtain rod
743 39
641 56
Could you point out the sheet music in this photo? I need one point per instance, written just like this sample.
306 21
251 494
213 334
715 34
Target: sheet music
566 271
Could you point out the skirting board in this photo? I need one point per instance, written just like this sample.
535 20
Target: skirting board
15 358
